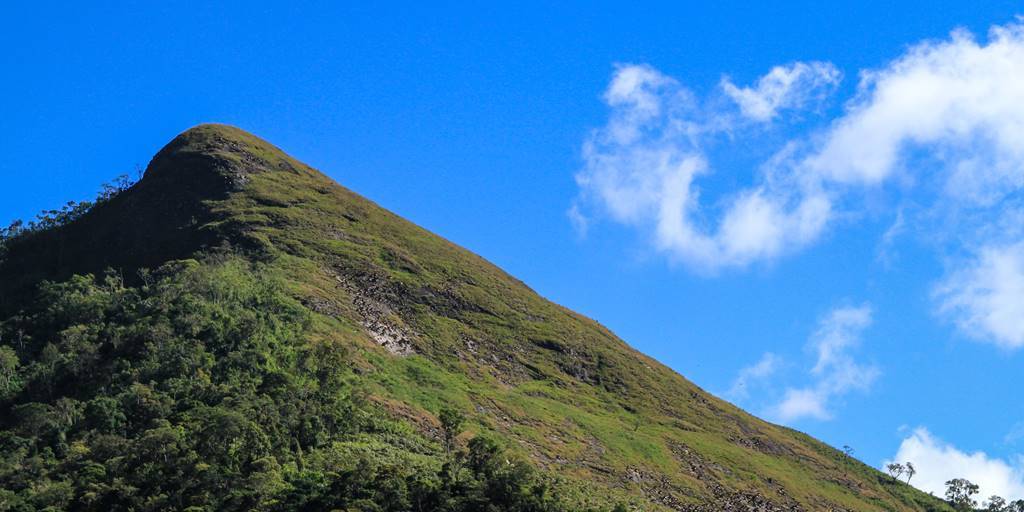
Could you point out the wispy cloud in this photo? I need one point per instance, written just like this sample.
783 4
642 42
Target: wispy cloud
835 372
784 87
642 167
764 368
937 462
986 299
580 223
1016 434
885 252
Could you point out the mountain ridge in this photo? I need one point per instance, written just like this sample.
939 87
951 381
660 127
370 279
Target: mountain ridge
428 324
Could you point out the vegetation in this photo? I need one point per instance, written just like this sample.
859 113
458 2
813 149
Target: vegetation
53 219
896 470
960 494
237 331
197 389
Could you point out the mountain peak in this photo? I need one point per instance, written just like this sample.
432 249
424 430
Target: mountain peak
212 160
208 137
178 207
422 323
215 130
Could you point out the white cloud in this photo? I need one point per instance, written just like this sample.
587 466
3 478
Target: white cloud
762 369
940 127
803 403
959 100
838 332
835 372
986 299
642 168
937 462
946 116
784 87
639 94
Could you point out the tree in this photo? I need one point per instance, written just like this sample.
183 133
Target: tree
960 492
910 470
451 426
110 190
1015 506
995 504
8 371
895 469
848 450
13 230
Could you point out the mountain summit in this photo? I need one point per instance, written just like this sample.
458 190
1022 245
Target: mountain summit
238 331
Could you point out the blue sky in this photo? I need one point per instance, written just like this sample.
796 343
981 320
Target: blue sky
811 209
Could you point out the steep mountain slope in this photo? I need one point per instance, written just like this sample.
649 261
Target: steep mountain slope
274 254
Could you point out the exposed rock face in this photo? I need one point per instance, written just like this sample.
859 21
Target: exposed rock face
370 298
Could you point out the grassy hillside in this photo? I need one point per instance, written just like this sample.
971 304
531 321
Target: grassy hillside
285 335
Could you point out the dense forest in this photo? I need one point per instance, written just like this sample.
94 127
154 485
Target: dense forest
195 390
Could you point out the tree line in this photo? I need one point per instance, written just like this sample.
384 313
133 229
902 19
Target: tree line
960 492
71 211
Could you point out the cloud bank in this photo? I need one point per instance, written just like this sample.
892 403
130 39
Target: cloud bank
937 462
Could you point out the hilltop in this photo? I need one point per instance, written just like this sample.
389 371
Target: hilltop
238 331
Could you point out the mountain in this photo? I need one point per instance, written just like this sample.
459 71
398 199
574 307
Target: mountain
238 331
